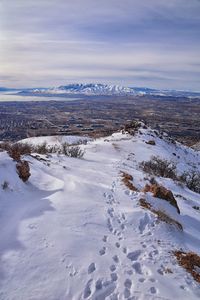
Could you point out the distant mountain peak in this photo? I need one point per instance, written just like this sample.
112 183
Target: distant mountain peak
100 89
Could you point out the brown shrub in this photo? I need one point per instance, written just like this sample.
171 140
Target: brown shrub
23 170
16 150
145 204
190 262
126 179
161 192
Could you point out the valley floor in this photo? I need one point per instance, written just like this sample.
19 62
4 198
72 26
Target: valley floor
75 231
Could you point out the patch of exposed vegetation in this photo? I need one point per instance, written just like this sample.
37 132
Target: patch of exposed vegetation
159 167
161 192
190 262
126 179
191 180
23 170
133 127
17 150
72 151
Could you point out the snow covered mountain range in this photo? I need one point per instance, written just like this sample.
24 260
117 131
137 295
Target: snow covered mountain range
94 228
105 90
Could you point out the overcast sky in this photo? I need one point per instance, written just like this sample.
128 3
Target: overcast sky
153 43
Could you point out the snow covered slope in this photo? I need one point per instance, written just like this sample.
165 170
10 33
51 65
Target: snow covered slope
56 140
75 231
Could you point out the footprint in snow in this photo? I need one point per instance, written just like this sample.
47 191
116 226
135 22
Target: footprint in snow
103 289
105 238
91 268
116 258
143 223
110 211
102 251
87 291
126 293
117 244
153 290
114 276
137 268
124 250
112 268
109 224
128 283
133 256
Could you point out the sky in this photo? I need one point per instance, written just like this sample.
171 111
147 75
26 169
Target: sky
145 43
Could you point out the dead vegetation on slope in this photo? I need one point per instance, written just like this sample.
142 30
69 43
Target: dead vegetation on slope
161 215
161 192
126 179
190 262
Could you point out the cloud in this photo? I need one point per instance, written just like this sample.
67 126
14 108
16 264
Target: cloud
145 42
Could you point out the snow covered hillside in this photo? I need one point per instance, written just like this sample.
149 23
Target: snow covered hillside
97 89
90 229
85 89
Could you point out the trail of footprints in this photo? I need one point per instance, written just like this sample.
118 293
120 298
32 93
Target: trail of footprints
103 288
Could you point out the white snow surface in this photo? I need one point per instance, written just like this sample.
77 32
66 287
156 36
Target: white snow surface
74 231
56 140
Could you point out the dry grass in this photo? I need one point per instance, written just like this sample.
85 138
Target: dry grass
161 215
145 204
190 262
126 179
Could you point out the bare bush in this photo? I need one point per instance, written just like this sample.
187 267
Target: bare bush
72 151
132 127
16 150
41 149
159 167
23 170
191 180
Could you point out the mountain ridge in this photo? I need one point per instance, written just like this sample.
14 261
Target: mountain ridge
99 89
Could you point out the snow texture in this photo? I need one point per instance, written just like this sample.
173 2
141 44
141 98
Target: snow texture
75 231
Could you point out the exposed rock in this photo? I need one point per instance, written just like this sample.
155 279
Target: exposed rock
151 142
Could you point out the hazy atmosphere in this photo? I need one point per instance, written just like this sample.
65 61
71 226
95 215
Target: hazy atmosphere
131 42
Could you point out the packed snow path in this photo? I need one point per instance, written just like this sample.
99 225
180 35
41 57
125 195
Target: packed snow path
74 231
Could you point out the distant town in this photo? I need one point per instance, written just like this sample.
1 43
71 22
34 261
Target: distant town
99 116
